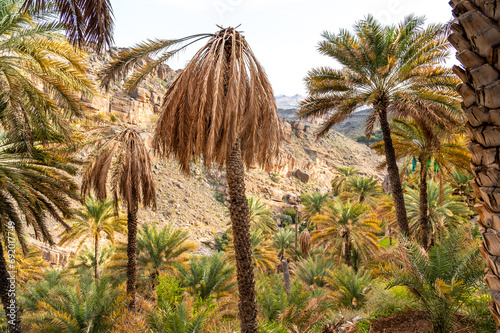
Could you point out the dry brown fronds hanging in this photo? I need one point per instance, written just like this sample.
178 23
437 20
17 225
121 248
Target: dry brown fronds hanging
222 94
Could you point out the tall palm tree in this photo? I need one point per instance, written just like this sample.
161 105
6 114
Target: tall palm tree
94 218
312 204
127 157
85 21
474 35
363 189
221 108
427 145
342 174
395 70
265 257
347 226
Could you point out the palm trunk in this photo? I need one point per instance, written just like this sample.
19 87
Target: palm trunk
286 275
424 218
240 221
8 295
475 36
347 250
296 227
393 171
131 256
96 256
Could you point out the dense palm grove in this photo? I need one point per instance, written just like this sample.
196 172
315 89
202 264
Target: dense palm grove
357 253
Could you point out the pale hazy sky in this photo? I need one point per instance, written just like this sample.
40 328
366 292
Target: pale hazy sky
282 33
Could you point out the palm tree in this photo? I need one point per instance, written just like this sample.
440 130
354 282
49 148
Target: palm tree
348 286
94 218
312 204
207 276
43 79
427 145
443 215
395 70
159 249
313 271
31 192
84 260
363 189
283 241
342 174
346 227
127 156
261 216
230 119
475 49
85 21
442 279
81 304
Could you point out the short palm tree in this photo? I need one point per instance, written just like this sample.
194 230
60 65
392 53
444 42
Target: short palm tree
157 251
283 240
347 226
427 145
85 21
228 117
313 271
312 204
397 71
261 217
442 279
207 276
79 304
349 287
95 217
443 215
84 261
342 174
363 189
126 155
183 318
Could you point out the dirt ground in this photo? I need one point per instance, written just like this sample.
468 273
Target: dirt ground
414 321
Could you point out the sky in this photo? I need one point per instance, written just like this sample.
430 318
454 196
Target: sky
283 34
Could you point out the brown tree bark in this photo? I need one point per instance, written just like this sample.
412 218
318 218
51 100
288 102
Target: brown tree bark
96 256
131 256
296 227
475 35
347 250
240 220
393 171
8 295
424 216
286 275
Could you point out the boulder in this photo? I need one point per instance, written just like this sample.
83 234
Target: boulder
302 176
141 94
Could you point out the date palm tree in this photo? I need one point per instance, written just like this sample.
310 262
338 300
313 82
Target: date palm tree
85 21
312 204
395 70
265 257
127 158
221 108
343 173
261 217
363 189
427 145
94 218
474 35
346 226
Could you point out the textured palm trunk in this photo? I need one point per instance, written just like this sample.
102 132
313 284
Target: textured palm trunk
8 295
96 256
286 275
424 218
476 36
240 220
131 257
393 171
347 251
296 227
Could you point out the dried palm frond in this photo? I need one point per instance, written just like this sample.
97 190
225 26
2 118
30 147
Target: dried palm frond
223 94
305 242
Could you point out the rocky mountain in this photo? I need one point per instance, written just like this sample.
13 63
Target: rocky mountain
198 202
288 102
